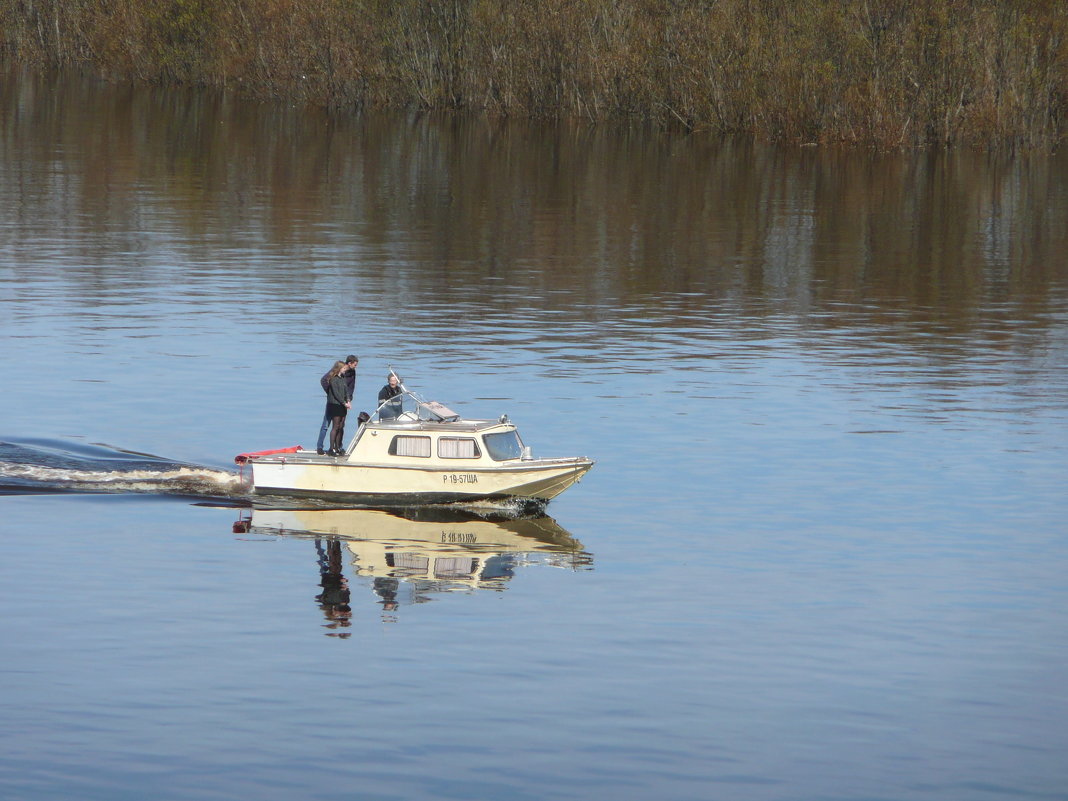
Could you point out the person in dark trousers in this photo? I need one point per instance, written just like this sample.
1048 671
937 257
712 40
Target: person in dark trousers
338 403
350 378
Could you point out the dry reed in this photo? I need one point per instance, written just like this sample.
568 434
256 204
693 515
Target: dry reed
882 73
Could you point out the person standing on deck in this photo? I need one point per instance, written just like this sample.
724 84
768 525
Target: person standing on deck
338 403
324 382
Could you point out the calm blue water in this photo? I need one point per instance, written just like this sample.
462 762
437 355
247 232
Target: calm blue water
822 554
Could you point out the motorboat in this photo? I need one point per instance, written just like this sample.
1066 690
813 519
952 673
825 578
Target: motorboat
415 451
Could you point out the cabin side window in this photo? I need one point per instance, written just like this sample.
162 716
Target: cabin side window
503 445
446 567
458 448
407 564
409 446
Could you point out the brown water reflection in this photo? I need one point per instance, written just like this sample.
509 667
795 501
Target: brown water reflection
826 392
576 216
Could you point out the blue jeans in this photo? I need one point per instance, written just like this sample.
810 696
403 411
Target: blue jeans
322 431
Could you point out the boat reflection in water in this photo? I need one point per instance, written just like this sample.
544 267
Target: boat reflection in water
409 556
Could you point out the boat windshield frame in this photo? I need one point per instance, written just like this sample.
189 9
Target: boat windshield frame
491 440
409 407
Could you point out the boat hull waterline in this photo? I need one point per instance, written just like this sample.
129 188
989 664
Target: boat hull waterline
325 478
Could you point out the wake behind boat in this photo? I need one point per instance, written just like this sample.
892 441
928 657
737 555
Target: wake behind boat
39 466
414 451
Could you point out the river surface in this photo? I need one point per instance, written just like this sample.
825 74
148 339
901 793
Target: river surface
823 553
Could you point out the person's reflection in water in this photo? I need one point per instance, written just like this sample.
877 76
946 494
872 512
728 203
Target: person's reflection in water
386 589
334 599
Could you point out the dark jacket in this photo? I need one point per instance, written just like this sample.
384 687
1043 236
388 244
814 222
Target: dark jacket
337 391
394 407
350 380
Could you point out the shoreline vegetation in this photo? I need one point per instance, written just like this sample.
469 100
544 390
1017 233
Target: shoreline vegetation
877 73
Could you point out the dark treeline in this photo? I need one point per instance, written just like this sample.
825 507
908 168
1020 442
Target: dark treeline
883 73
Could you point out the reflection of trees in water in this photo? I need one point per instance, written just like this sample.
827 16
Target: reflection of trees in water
669 228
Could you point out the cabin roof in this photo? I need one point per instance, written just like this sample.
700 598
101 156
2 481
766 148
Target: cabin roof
446 426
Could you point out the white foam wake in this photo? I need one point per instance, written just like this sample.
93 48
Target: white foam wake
192 480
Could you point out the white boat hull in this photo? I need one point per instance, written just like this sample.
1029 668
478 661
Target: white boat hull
328 478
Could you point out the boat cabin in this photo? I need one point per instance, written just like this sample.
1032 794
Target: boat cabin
406 429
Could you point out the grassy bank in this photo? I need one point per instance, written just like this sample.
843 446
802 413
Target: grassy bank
884 73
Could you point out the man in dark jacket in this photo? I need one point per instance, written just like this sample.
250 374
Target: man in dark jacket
324 382
390 404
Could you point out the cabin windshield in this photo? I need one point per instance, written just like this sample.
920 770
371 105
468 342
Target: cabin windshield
503 445
409 407
398 407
